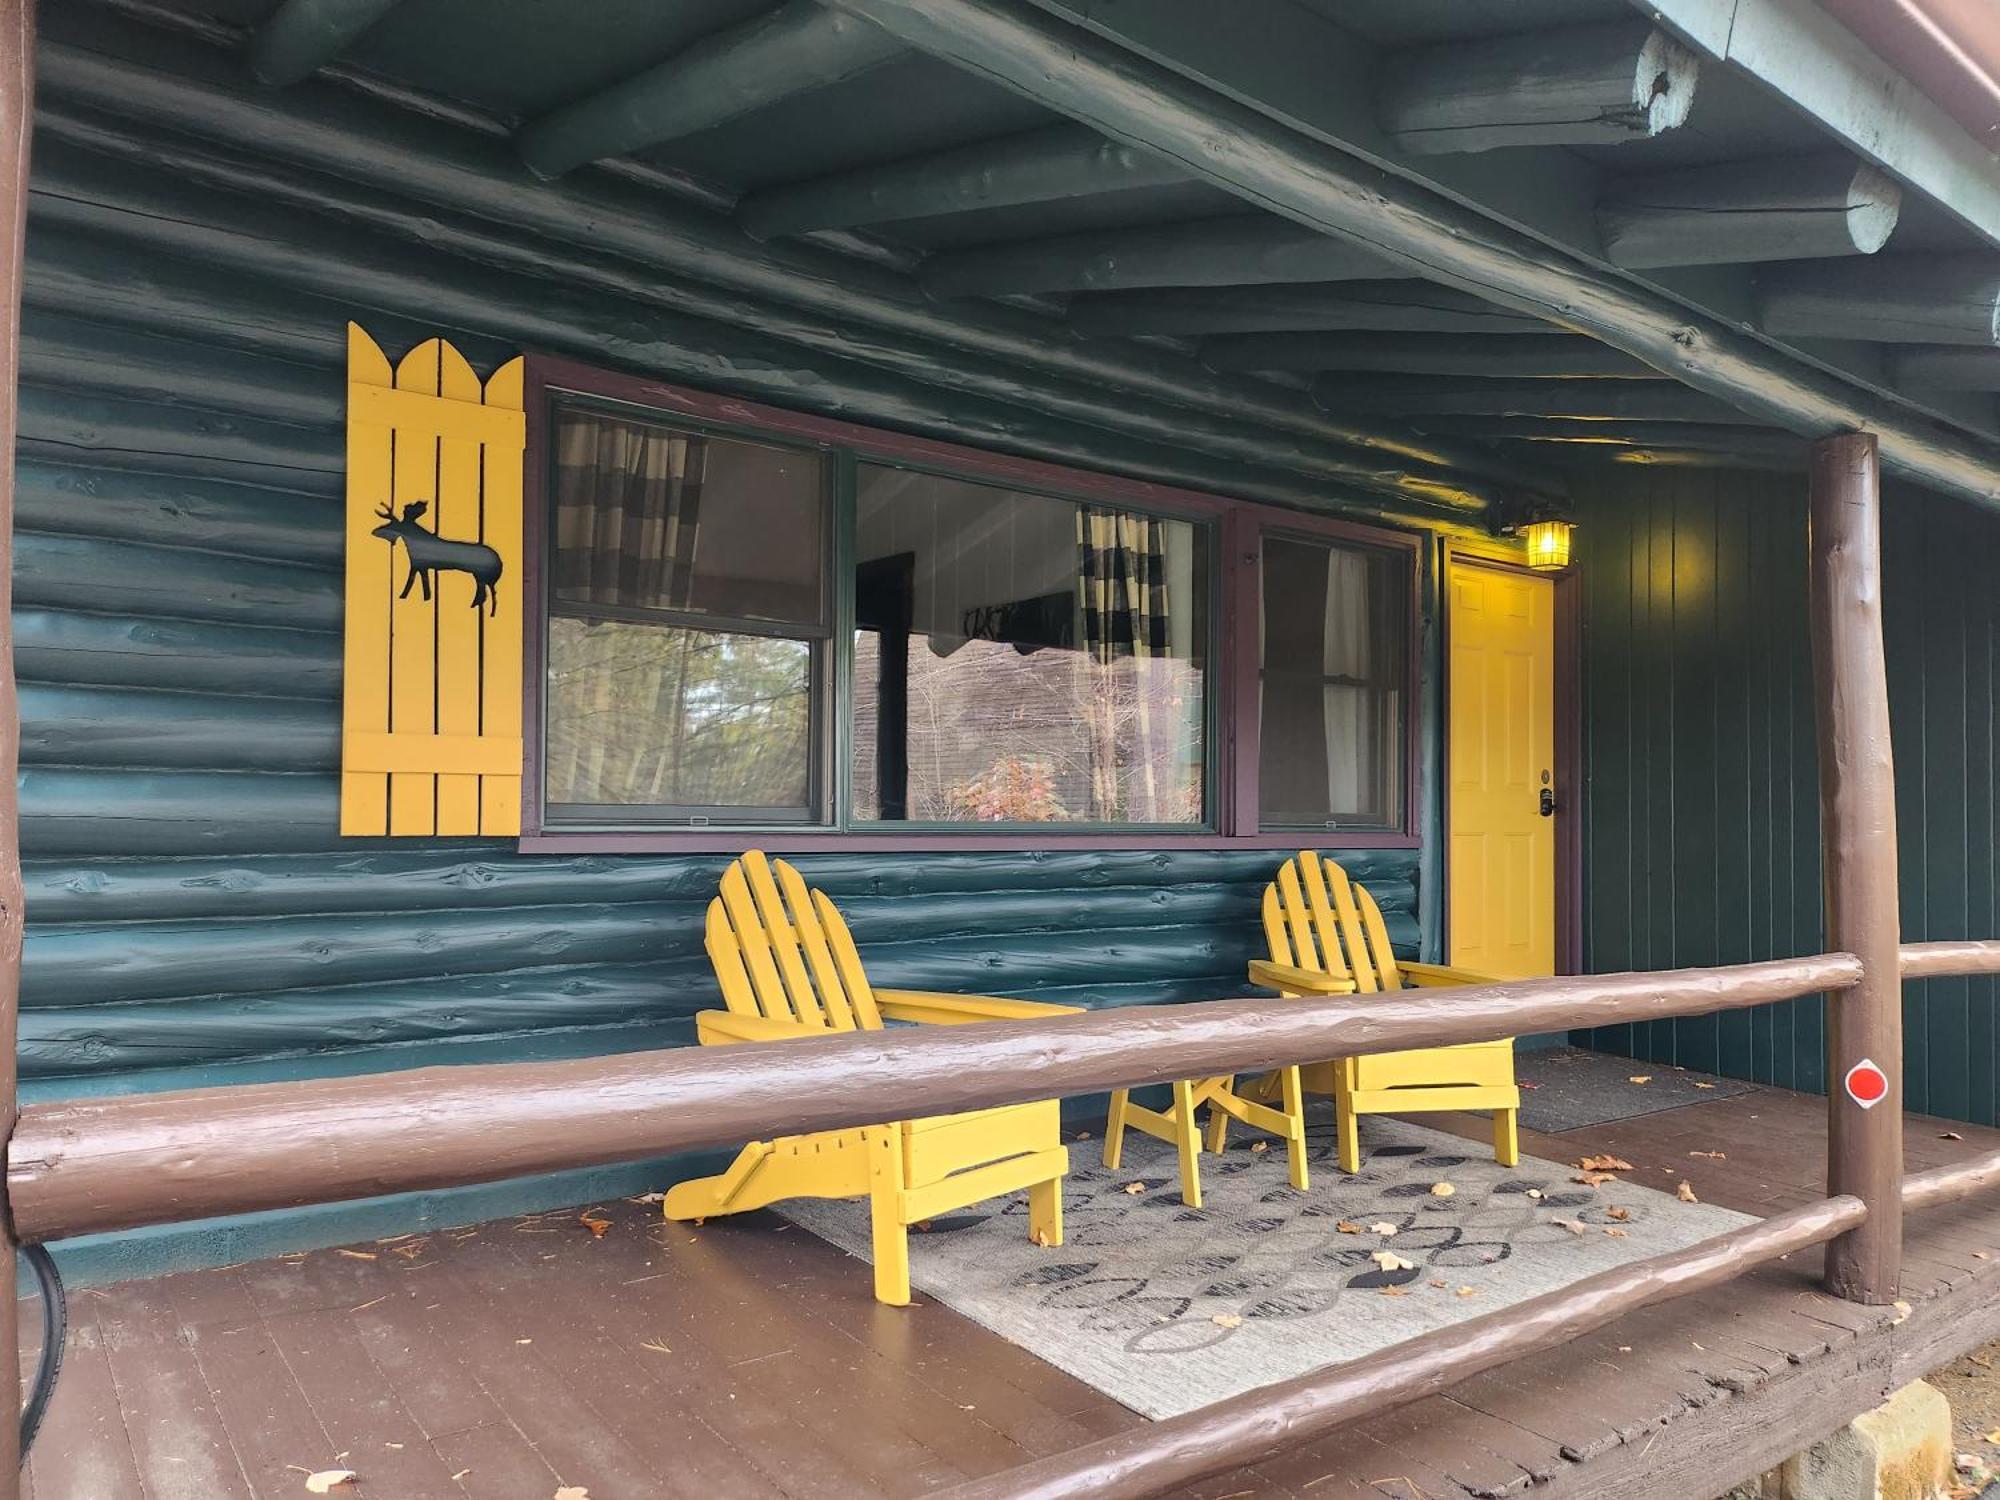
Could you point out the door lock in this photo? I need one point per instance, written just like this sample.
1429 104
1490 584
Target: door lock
1548 798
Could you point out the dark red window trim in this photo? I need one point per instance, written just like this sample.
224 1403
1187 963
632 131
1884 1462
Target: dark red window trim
1238 528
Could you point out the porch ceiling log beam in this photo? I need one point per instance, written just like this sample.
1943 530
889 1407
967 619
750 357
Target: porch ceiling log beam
1744 441
303 36
1073 71
1773 208
1270 1421
1415 396
1245 250
799 47
1381 306
334 152
1898 299
1063 161
1799 50
1566 86
1515 356
115 1163
1960 369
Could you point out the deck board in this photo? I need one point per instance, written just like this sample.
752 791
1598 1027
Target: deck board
747 1358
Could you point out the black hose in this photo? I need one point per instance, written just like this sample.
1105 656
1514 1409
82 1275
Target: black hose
55 1332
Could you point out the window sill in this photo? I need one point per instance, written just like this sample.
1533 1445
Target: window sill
785 841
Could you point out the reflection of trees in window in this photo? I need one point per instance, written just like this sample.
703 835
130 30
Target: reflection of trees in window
1021 658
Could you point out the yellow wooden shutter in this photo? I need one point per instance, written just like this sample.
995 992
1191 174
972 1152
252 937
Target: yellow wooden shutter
431 729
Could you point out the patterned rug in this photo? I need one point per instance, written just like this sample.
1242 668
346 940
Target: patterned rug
1165 1308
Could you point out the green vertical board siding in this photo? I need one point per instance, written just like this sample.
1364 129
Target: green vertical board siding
1702 836
193 916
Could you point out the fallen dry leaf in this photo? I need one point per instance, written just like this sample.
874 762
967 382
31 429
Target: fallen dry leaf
1902 1312
1260 1146
1640 1078
1042 1238
1603 1164
1620 1214
1624 1348
1344 1227
1701 1085
460 1475
1467 1291
358 1255
1950 1135
597 1227
1534 1192
1711 1155
1226 1320
572 1492
1685 1192
1436 1283
648 1198
1993 1436
1393 1291
323 1482
1442 1190
1593 1179
1384 1228
1574 1226
1981 1255
1389 1260
1616 1233
656 1346
1526 1085
1134 1188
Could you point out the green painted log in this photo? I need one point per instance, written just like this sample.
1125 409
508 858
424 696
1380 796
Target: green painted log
1513 356
177 510
1899 299
771 57
60 646
303 36
176 731
66 352
1421 396
180 87
1236 148
95 814
1765 209
131 962
129 890
718 356
1564 86
66 426
1242 250
1062 161
1387 306
1962 369
127 578
99 277
1632 433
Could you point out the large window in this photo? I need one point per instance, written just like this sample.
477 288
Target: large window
771 627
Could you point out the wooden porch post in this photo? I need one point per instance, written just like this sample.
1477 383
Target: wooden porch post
17 85
1864 1147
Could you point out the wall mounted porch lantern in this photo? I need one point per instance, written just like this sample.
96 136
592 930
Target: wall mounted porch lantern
1548 542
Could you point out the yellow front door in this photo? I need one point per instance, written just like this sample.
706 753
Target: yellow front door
1501 844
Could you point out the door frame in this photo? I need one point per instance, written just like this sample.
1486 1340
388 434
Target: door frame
1567 707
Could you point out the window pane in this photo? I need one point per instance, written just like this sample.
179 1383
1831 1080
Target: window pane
647 517
1335 662
1024 659
661 717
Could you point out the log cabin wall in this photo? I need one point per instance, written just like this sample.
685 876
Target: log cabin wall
1701 841
194 916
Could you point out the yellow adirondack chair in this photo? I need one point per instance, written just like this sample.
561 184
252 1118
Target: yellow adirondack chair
788 969
1327 937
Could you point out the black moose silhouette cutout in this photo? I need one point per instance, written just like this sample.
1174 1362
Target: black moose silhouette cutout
431 554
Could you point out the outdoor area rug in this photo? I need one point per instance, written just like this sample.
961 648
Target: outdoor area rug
1165 1308
1568 1088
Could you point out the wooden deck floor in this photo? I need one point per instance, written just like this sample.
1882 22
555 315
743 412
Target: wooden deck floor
747 1359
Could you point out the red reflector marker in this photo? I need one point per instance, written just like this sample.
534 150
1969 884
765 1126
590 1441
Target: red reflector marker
1867 1084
